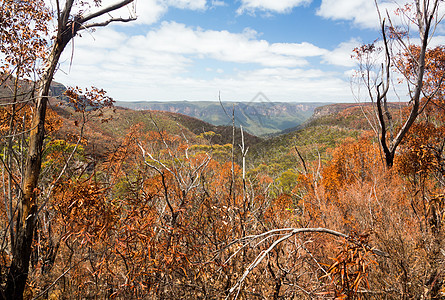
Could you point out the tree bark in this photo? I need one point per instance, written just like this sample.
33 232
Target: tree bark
18 272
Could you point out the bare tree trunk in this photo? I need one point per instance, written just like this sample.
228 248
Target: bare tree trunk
18 272
425 15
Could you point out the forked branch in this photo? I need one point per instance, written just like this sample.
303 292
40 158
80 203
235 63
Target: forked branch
285 233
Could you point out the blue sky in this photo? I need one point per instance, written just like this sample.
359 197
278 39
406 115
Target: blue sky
290 50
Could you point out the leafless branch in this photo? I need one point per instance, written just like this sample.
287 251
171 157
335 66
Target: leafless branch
285 234
104 10
105 23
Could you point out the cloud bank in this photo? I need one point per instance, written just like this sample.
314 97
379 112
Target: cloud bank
175 61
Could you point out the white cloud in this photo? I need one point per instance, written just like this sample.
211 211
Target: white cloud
150 11
216 3
242 47
350 73
105 38
362 13
268 74
277 6
188 4
298 50
279 84
176 62
341 56
284 84
147 11
437 40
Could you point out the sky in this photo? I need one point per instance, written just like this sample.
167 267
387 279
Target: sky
288 50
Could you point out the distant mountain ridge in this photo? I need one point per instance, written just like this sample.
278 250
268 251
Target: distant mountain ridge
259 118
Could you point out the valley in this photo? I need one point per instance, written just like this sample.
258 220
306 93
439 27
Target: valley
264 118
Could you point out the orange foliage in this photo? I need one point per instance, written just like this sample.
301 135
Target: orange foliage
350 163
418 153
351 267
155 220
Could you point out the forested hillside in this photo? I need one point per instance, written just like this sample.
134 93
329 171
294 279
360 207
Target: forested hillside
102 202
109 133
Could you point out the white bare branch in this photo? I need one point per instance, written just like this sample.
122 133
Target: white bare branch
285 234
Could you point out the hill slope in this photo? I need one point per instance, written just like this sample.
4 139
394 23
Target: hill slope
328 127
103 137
